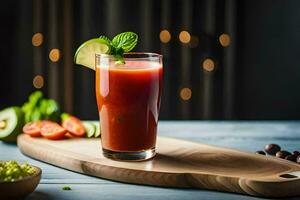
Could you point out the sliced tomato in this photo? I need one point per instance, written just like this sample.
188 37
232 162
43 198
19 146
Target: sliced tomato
33 128
74 126
53 131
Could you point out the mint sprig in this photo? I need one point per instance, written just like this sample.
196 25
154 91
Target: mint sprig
120 44
105 39
125 41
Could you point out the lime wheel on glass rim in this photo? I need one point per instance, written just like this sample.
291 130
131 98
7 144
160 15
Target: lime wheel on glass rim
85 54
120 44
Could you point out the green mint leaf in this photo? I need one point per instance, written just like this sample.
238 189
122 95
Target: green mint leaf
66 188
125 41
119 59
105 39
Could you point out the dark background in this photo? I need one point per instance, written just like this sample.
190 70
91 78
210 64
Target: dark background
255 77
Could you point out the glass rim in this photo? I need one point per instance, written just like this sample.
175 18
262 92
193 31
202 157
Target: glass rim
140 55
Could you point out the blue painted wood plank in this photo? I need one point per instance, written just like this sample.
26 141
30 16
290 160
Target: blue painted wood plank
242 135
129 192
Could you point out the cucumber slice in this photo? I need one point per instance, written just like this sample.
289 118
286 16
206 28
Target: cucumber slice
11 123
90 129
98 131
97 128
85 54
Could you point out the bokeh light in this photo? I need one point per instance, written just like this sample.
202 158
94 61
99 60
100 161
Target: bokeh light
54 55
37 39
208 65
38 81
185 94
184 37
224 40
165 36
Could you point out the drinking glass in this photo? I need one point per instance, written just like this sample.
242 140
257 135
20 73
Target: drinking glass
128 99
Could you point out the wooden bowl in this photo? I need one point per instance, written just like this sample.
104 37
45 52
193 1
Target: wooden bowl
21 188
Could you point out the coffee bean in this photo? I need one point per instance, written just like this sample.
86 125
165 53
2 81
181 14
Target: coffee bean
282 154
296 153
260 152
272 149
291 158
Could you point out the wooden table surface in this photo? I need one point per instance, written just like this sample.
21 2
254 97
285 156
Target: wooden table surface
242 135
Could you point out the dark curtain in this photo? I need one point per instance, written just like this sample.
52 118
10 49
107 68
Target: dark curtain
226 59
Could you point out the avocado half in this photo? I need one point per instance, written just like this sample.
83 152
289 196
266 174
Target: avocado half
11 123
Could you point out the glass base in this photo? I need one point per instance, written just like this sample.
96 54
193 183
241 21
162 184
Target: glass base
129 156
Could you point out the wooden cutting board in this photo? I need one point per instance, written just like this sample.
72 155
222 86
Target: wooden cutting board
178 163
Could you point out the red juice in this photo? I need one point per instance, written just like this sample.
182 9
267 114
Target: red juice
128 98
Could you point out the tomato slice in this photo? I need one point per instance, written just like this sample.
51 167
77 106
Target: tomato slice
33 129
53 131
74 126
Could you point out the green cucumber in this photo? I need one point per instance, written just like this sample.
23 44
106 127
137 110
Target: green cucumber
90 129
97 128
98 131
11 123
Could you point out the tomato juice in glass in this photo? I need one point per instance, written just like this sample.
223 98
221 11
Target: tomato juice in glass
128 98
